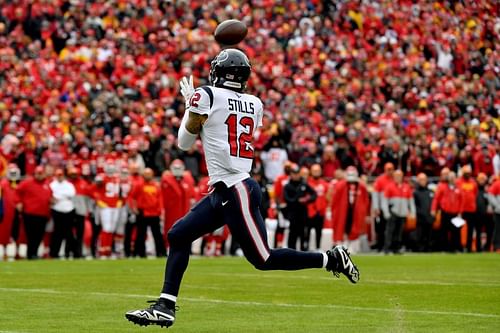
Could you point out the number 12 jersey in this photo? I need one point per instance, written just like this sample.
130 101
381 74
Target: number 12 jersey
227 134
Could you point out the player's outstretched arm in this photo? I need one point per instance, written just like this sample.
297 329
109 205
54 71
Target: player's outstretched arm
189 130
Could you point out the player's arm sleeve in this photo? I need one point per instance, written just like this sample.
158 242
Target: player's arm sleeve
194 118
260 113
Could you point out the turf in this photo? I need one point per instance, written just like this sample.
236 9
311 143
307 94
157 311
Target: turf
410 293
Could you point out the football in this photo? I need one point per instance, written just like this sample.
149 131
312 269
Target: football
230 32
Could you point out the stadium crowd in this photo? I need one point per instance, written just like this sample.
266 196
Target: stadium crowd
91 88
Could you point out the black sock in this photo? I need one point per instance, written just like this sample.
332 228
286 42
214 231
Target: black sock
167 303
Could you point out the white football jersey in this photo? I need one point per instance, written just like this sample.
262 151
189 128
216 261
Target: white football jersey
227 134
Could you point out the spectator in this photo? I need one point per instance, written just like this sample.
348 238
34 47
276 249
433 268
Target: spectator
147 204
483 218
297 194
381 183
135 180
449 200
10 224
494 199
134 157
397 206
279 198
467 184
274 159
350 206
363 94
310 155
177 186
35 198
483 161
317 209
496 161
329 162
423 203
82 208
63 215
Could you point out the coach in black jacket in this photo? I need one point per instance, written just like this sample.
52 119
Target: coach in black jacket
423 201
298 194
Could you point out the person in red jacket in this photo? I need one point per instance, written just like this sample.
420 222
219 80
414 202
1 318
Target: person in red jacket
177 187
10 228
147 203
483 161
350 206
397 205
135 180
494 200
449 200
469 189
317 209
379 187
34 202
82 208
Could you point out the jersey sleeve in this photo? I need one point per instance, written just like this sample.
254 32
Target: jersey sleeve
201 101
260 113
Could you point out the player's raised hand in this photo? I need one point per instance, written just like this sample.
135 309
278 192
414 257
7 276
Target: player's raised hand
187 88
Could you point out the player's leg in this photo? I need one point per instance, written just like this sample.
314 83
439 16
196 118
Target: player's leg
202 219
154 224
106 235
57 235
318 228
247 226
390 228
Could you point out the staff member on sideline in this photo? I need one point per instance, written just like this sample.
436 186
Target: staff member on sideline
147 204
63 214
34 203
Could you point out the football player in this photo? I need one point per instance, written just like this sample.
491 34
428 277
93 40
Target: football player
225 118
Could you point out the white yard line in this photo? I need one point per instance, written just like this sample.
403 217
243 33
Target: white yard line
249 303
367 281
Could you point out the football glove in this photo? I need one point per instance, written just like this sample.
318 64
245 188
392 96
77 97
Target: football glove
187 89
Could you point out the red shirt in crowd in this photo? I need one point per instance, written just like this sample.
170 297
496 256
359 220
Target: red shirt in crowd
469 193
345 195
35 197
148 198
178 196
448 199
319 205
279 185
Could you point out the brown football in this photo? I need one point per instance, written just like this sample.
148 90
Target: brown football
230 32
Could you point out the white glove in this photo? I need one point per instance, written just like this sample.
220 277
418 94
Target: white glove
187 89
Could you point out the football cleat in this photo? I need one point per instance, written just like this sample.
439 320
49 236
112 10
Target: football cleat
156 314
339 261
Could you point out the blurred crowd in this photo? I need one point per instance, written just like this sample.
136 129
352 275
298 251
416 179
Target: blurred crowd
92 86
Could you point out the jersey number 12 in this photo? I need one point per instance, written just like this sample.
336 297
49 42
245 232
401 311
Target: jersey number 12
240 144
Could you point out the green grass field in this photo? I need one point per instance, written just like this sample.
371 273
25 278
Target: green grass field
410 293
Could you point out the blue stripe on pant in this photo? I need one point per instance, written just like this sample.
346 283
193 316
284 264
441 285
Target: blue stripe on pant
238 207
